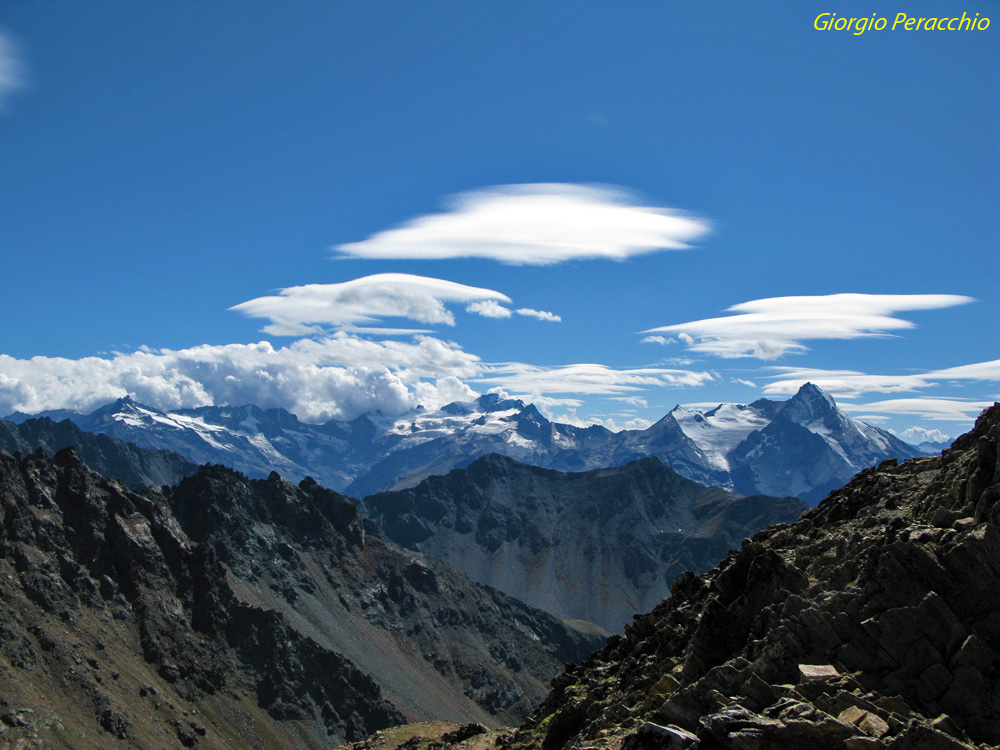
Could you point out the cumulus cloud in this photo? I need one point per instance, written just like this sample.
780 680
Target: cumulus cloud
589 379
939 409
539 314
917 435
309 309
535 224
11 68
341 376
769 328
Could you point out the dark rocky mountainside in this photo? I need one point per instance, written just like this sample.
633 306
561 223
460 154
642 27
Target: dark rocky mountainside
872 622
137 467
226 612
597 546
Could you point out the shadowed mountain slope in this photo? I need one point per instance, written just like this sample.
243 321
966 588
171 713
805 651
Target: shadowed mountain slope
597 546
137 467
227 612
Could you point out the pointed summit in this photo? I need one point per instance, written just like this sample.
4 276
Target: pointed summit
810 405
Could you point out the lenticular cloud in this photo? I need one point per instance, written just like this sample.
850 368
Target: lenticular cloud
536 224
768 328
304 310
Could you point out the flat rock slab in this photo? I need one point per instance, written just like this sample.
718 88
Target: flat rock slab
813 672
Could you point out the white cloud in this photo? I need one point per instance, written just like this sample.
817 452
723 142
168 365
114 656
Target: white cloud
306 310
741 381
590 379
535 224
662 340
11 68
540 314
939 409
341 376
978 371
851 384
770 328
489 308
917 435
631 400
841 383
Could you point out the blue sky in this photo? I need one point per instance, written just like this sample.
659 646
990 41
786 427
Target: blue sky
621 166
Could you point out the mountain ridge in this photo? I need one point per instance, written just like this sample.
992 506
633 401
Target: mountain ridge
374 453
597 546
239 613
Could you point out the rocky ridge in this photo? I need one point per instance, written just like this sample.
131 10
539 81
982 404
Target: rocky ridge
137 467
597 546
872 622
227 612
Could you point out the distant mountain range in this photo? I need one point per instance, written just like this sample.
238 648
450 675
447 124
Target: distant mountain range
803 447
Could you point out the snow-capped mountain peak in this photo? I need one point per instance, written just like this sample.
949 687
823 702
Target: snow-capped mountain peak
804 446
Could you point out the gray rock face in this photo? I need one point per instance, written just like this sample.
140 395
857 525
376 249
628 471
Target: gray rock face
872 622
597 546
803 447
227 612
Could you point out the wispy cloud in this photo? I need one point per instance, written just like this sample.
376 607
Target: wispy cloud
489 308
851 383
589 379
310 309
11 67
939 409
536 224
539 314
769 328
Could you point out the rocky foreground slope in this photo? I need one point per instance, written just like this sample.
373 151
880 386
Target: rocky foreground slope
597 546
872 622
227 612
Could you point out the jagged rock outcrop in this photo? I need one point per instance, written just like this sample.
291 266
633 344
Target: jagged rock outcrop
872 622
226 612
597 546
137 467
